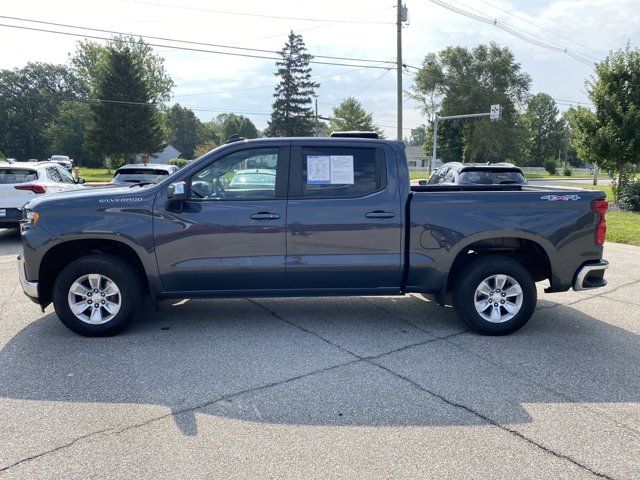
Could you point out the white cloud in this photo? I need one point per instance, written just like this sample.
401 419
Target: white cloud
599 24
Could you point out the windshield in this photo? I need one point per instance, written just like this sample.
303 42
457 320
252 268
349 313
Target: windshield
491 177
139 175
17 175
253 180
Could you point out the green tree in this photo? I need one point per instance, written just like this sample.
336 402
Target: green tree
232 124
30 98
184 129
126 121
292 114
467 81
350 115
418 136
546 129
91 59
67 131
611 134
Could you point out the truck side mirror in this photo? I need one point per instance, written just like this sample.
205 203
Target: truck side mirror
422 182
177 191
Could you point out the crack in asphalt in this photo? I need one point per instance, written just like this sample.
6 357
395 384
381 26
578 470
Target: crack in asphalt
564 396
358 358
492 422
442 398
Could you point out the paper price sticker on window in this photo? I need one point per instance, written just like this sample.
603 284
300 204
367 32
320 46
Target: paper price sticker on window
330 170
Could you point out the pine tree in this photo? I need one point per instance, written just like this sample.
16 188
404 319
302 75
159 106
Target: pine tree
126 121
292 114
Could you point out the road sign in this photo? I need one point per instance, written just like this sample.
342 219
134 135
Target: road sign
496 113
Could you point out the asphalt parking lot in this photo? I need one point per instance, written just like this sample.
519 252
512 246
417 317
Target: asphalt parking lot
324 388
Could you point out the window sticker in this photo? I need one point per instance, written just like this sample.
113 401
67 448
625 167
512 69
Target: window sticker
330 170
342 169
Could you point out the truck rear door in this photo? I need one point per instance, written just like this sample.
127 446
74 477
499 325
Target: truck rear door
344 217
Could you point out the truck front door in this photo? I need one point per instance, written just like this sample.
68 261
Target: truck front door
344 218
230 232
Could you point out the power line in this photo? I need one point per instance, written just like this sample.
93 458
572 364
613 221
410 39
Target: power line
264 86
543 28
167 39
261 15
502 26
526 97
189 49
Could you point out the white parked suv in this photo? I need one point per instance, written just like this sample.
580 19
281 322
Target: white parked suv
21 181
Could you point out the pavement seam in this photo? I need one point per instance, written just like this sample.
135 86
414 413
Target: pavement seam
447 401
492 422
524 378
116 431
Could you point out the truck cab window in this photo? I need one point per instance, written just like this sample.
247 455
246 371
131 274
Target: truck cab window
342 172
244 175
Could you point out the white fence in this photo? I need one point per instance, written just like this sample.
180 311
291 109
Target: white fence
578 171
575 171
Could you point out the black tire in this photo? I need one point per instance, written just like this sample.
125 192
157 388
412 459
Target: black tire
116 269
464 294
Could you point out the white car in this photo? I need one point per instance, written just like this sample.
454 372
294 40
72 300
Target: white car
21 181
63 160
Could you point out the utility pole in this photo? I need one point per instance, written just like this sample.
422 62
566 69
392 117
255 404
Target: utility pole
317 126
401 16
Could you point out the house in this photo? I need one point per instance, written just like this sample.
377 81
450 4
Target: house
163 156
417 160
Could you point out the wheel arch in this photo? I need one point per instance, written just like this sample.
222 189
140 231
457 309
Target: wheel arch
533 252
62 254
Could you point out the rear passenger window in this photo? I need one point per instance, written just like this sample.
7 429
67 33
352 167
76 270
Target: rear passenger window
342 172
54 174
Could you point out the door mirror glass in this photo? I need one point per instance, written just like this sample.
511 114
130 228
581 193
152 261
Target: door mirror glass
177 191
80 181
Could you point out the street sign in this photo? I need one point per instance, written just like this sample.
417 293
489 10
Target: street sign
495 113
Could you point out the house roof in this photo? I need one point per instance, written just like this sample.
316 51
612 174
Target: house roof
415 152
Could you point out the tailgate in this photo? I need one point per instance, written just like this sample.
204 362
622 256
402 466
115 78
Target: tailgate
10 197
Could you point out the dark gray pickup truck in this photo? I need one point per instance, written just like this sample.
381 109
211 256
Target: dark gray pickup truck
303 217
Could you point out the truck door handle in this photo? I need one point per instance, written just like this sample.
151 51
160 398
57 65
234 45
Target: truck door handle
265 216
379 214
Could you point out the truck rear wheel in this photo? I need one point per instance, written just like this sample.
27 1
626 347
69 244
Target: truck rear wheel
495 295
97 295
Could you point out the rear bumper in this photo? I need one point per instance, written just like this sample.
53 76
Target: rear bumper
12 216
590 276
29 288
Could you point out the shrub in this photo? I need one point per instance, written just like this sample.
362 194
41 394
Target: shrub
567 172
630 196
551 166
178 162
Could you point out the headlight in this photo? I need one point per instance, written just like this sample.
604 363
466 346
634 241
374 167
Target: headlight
30 217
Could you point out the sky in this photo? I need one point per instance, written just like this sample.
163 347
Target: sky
212 84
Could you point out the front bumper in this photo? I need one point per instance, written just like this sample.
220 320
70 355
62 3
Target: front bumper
12 216
590 275
30 288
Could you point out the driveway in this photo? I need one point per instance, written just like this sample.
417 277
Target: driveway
325 388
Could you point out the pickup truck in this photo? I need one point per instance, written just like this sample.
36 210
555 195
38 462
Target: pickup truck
321 216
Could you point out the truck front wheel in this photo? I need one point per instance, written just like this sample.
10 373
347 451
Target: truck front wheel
495 295
97 295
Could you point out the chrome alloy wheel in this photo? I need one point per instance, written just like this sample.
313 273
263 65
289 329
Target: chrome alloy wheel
94 299
498 298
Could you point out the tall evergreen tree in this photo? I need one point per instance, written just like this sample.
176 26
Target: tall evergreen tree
126 121
292 114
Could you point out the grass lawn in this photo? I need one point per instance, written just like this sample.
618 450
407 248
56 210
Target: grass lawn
623 227
95 174
554 177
